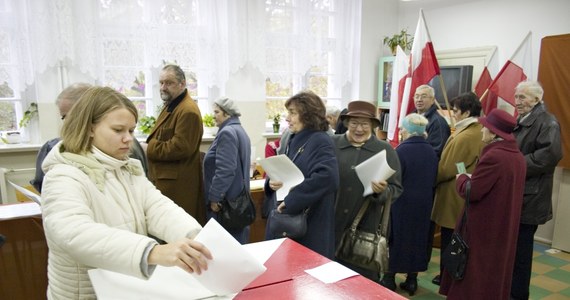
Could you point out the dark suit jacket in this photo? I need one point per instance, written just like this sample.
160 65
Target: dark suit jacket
173 154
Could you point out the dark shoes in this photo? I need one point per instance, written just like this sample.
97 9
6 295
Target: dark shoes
436 280
410 285
388 283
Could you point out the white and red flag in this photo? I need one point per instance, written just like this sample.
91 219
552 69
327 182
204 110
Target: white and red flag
423 65
399 73
515 70
488 98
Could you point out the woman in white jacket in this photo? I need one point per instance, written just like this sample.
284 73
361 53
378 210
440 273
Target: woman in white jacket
99 208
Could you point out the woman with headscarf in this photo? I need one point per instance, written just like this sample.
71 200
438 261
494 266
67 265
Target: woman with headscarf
227 163
410 215
493 214
353 147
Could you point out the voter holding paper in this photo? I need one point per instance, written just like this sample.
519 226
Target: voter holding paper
312 151
361 156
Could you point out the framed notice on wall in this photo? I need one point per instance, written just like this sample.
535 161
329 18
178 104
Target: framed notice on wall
385 81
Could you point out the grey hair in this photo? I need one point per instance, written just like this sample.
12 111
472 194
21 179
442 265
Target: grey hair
178 72
73 92
532 88
431 91
332 111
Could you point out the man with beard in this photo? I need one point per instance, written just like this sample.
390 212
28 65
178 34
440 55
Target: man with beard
173 149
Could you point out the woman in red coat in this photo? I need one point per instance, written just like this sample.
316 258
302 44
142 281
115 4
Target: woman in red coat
495 203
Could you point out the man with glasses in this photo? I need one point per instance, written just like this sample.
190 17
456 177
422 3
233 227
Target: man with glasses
173 146
65 101
437 129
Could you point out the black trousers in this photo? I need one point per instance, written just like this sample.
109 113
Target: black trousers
523 262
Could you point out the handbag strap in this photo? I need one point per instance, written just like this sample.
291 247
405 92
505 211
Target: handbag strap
363 209
383 225
463 225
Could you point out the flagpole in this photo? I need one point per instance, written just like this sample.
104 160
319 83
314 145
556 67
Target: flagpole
444 91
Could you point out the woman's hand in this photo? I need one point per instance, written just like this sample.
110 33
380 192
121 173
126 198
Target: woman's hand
281 207
275 185
215 206
186 253
379 186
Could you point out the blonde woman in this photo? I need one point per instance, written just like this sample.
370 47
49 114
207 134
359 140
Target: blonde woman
99 208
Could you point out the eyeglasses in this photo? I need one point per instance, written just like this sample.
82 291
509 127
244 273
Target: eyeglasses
422 96
354 125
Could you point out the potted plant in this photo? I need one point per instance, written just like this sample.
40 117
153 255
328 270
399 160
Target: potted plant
29 114
402 39
276 123
146 124
209 124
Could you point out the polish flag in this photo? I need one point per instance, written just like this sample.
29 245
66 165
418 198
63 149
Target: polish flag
515 70
423 64
488 98
399 73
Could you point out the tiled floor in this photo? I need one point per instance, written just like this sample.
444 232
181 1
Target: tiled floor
550 276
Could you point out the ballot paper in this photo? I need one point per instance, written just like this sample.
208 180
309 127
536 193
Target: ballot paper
281 168
29 194
233 267
331 272
375 168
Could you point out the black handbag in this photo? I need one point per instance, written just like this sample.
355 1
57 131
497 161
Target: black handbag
368 250
287 225
237 213
454 257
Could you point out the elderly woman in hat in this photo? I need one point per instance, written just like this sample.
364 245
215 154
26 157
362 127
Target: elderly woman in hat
353 147
494 211
409 239
227 163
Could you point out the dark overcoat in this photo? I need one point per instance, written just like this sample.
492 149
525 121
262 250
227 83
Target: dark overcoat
349 198
313 153
173 154
493 216
410 215
538 137
226 168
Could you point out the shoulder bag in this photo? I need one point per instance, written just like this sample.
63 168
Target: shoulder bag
368 250
288 225
454 257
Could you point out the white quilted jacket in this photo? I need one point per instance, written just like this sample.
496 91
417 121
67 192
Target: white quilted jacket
97 212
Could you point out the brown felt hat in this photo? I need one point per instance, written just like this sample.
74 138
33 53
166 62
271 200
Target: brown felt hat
361 109
500 123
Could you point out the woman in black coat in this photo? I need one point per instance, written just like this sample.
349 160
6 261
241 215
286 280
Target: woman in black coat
410 215
312 151
352 148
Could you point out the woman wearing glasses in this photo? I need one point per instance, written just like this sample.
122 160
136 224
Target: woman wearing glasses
355 146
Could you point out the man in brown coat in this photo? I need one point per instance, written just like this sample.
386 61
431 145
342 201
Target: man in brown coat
174 145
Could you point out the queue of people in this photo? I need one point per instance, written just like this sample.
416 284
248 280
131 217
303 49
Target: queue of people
98 197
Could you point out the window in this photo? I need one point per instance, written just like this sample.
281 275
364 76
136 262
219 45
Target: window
300 46
10 99
132 55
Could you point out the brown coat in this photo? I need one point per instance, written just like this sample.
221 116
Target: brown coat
174 156
463 146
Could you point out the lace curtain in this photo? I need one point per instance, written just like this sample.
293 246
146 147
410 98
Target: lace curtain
214 38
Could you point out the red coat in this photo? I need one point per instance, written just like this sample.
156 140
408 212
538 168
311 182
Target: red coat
497 187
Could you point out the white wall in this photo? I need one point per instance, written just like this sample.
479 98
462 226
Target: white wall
501 23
